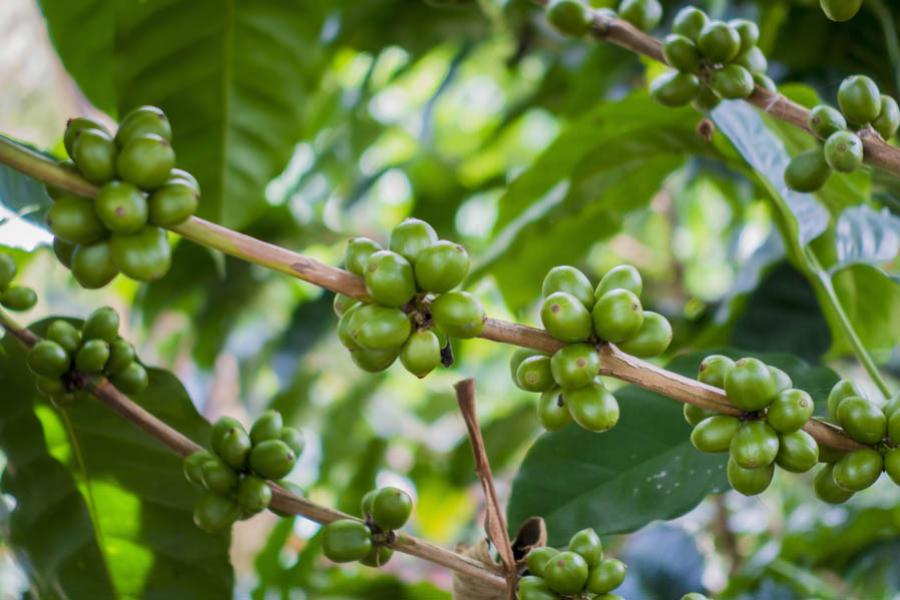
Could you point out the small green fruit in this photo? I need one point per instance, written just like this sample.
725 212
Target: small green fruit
253 495
535 374
516 359
531 587
892 464
552 410
750 385
719 42
378 556
342 304
538 558
681 52
218 476
706 100
132 380
713 370
749 482
421 353
587 543
859 99
267 427
731 82
754 445
145 255
146 161
182 176
643 14
862 420
753 60
173 203
143 120
193 467
121 206
675 88
825 121
858 469
441 266
381 327
374 361
231 443
798 452
566 573
389 278
294 440
359 249
18 297
714 434
593 407
808 171
458 314
77 125
606 576
694 414
844 152
893 427
48 359
689 22
66 335
783 381
569 17
622 277
827 490
617 315
215 513
575 365
410 237
790 410
391 508
272 459
840 10
8 270
93 265
346 541
63 251
95 155
748 32
92 357
565 317
652 338
888 119
571 281
843 389
368 500
121 355
73 219
102 324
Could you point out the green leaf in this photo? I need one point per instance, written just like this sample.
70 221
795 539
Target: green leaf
871 300
141 505
232 77
864 235
642 470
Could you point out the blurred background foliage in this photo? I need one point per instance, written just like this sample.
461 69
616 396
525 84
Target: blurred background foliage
309 122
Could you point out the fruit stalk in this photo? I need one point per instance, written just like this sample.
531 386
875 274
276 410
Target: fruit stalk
282 500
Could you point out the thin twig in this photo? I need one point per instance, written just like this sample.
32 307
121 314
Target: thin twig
282 499
495 522
727 539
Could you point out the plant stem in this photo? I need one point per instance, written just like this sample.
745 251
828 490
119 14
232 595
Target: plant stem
614 362
281 499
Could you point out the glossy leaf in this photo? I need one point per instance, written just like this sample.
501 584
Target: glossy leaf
864 235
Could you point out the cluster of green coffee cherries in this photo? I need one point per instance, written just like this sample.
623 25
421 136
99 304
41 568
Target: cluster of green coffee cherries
414 307
579 571
14 297
768 432
840 10
712 60
581 315
878 427
384 511
574 18
67 355
841 150
233 476
141 192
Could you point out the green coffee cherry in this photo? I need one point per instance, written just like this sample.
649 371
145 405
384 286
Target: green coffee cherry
391 508
441 266
389 278
534 588
66 335
571 281
231 443
575 365
172 203
367 501
18 297
798 452
827 490
63 251
675 88
783 381
94 152
566 573
421 353
694 414
844 151
624 277
193 467
342 304
182 176
92 357
859 99
748 32
93 265
652 338
587 544
215 513
565 317
643 14
750 385
145 255
617 315
410 237
374 361
862 420
538 558
381 327
713 370
8 270
267 427
102 324
218 475
714 434
517 357
121 206
569 17
843 389
535 374
552 410
706 100
892 464
606 576
253 495
346 541
73 219
808 171
458 314
764 82
146 161
378 556
858 469
840 10
132 380
893 427
77 125
731 82
121 355
754 61
681 52
359 249
48 359
754 445
790 410
272 459
888 120
143 120
719 42
749 482
593 407
689 22
825 120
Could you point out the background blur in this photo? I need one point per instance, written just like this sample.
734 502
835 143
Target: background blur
308 123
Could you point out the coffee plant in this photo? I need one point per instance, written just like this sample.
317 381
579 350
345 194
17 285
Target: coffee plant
685 264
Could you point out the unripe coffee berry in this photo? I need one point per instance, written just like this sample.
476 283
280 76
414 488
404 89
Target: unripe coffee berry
441 266
859 99
146 161
575 365
93 265
566 573
73 219
714 434
410 237
391 508
346 541
652 338
719 42
808 171
458 314
754 445
143 120
844 151
421 353
121 206
272 459
689 22
675 88
389 278
617 315
358 252
535 374
267 426
143 256
95 155
750 385
798 452
643 14
681 52
824 120
92 357
552 410
571 281
569 17
749 482
888 119
593 407
827 490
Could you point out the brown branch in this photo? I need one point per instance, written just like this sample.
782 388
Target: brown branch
495 522
281 498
